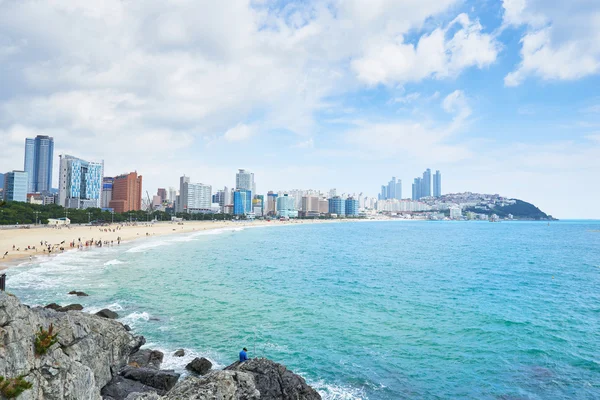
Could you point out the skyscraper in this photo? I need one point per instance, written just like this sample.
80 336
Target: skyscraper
39 153
80 182
107 187
437 184
15 186
162 193
244 180
426 184
351 206
337 206
127 193
399 189
240 197
182 193
416 189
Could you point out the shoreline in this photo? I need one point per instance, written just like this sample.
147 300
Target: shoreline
61 237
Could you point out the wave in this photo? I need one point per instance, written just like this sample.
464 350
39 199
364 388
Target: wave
114 262
178 363
112 307
135 318
338 392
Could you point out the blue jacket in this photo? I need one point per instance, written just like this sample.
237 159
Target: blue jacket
243 356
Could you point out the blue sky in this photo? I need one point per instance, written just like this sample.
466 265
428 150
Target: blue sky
501 96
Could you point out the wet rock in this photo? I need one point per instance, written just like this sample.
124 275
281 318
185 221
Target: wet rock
163 380
274 381
179 353
147 358
70 307
80 294
53 306
119 388
127 328
199 365
106 313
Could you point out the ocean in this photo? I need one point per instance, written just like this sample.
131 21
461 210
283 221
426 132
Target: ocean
374 310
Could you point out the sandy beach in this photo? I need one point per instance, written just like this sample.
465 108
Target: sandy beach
20 244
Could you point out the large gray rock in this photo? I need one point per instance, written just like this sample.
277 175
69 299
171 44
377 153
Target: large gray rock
199 365
119 388
146 358
221 385
274 381
163 380
89 351
70 307
106 313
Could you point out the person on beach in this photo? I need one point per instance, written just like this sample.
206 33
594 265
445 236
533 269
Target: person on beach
244 355
5 254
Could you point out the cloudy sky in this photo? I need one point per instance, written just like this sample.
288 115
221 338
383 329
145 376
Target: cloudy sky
501 96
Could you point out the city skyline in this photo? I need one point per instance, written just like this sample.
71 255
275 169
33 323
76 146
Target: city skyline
498 94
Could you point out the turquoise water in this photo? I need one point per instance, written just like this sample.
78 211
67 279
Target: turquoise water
377 310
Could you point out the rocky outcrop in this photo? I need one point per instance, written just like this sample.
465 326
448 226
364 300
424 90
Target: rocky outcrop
89 362
146 358
89 351
199 365
179 353
106 313
274 381
79 294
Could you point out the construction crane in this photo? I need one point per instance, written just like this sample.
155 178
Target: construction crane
149 209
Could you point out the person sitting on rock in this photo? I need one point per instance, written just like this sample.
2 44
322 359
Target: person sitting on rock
243 355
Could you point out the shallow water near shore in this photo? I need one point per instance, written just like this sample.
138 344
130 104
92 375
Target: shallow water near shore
381 310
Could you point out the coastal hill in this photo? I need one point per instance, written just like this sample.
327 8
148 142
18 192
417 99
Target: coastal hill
58 353
488 204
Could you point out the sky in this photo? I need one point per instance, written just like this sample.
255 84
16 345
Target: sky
500 96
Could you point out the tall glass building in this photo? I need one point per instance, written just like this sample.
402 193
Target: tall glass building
351 206
39 153
80 183
15 186
240 198
437 184
337 205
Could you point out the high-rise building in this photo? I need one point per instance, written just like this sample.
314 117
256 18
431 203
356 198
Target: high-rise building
416 189
15 186
244 181
39 153
286 206
182 193
162 193
107 187
127 193
351 206
80 182
172 194
198 197
437 184
271 203
399 190
426 183
240 198
337 206
258 202
393 190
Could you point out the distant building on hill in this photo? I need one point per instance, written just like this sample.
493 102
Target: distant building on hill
126 193
437 184
39 155
79 183
15 186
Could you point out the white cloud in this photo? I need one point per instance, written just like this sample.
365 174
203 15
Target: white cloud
306 144
390 60
562 41
238 133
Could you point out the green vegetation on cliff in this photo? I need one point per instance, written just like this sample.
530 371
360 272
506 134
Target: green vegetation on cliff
519 210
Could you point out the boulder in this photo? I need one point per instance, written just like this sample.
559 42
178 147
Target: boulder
199 365
79 294
147 358
274 381
119 388
179 353
70 307
162 380
106 313
88 352
222 385
53 306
